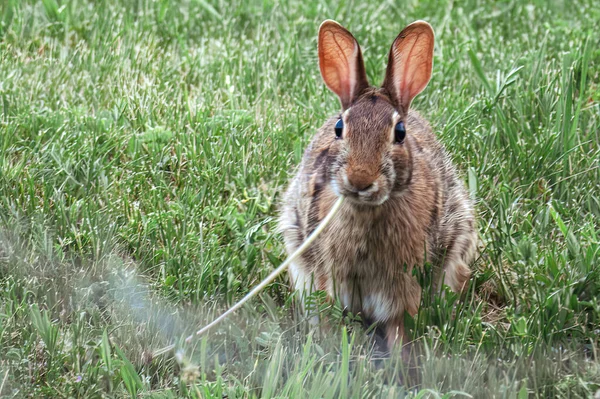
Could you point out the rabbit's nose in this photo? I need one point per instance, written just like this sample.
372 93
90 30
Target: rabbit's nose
361 180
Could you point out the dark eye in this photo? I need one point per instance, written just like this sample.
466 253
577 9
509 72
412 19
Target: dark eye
399 132
339 127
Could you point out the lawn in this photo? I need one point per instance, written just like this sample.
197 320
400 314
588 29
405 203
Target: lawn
144 150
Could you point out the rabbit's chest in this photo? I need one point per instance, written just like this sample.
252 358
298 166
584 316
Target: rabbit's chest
371 264
375 244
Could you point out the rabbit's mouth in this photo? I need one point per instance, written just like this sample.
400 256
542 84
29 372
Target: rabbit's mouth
373 195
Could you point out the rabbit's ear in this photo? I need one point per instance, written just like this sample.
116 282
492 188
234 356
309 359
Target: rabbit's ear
409 64
341 62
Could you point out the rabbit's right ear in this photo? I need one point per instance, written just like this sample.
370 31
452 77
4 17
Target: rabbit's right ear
341 62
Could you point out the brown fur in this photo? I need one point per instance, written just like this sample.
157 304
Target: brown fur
405 204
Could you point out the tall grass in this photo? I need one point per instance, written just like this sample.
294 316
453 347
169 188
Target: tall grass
144 146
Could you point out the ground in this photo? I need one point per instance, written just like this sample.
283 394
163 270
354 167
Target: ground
145 146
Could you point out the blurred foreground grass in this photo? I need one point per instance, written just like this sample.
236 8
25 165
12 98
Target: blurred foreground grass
144 146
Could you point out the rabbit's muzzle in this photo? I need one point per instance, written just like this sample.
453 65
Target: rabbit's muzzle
360 180
361 187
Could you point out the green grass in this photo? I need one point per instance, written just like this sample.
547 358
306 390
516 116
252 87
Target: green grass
144 146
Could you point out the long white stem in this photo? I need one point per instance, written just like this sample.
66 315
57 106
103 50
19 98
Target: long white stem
309 240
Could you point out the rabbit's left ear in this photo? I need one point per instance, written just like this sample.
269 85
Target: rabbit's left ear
409 64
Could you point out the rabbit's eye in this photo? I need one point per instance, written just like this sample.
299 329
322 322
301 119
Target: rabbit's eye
339 127
399 132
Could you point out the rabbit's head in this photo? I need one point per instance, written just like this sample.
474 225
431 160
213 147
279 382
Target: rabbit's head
371 140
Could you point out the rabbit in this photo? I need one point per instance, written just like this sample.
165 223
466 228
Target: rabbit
405 203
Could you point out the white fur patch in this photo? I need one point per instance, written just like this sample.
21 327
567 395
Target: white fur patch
335 188
345 299
303 283
378 306
395 120
345 178
374 187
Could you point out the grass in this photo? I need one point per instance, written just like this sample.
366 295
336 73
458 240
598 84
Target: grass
144 146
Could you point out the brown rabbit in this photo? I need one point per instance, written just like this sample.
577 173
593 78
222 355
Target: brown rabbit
405 202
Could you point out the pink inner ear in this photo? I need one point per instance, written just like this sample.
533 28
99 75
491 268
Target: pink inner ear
335 65
415 72
411 61
340 62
